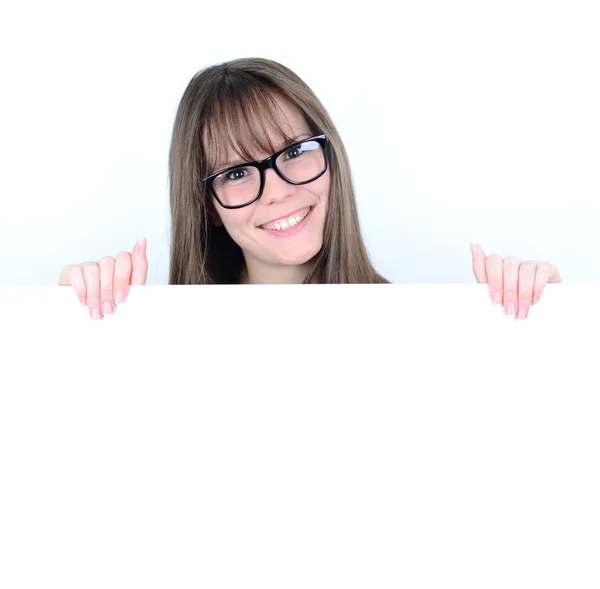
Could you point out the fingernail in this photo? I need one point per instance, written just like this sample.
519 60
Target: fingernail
141 245
498 298
511 308
473 252
522 313
119 297
96 313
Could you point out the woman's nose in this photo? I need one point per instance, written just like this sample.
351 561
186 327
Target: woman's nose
276 188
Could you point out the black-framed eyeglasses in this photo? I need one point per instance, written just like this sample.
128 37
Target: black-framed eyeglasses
299 163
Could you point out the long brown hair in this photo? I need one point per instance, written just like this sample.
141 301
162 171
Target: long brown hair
218 102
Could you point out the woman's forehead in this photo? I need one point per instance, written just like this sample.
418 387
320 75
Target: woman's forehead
260 150
236 139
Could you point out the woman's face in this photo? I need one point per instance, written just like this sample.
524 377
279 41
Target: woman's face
279 199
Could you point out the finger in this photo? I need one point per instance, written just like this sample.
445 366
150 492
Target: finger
493 269
73 276
64 278
554 273
91 274
139 263
510 270
107 272
545 272
527 272
78 282
478 263
122 276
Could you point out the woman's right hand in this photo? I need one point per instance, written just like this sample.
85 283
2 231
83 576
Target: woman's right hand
100 285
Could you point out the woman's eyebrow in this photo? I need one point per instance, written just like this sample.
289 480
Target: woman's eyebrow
281 146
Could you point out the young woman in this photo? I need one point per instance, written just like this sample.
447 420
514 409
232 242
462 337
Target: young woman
261 192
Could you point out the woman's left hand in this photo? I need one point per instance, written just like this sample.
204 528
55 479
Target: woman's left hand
518 284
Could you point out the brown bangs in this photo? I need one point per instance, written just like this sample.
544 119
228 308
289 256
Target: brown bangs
242 111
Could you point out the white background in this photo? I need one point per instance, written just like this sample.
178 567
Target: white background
464 121
401 435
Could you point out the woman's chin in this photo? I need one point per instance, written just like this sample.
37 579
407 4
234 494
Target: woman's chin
299 256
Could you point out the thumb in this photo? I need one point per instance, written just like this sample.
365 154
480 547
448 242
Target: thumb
139 263
478 263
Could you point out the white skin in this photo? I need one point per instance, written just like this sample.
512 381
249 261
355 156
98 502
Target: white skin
273 259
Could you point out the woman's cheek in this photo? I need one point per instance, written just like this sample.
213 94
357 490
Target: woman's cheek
240 230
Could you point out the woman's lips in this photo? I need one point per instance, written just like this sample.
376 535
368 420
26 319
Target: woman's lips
285 217
291 230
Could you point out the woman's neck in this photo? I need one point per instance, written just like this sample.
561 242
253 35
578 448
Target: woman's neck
255 272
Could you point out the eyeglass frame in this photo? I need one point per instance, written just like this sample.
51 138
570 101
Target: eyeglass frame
264 165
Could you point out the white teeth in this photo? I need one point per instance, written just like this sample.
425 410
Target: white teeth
282 225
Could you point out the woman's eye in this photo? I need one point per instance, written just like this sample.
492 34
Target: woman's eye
239 171
292 150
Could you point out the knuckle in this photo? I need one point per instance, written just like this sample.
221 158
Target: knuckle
528 267
547 267
91 270
106 260
68 276
123 269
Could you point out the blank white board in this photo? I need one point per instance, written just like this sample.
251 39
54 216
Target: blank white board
406 435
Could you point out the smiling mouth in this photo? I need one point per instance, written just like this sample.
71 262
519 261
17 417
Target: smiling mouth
287 222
